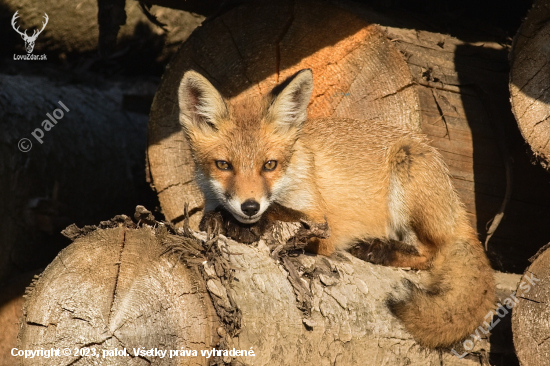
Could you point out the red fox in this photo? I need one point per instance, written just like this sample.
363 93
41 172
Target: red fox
372 182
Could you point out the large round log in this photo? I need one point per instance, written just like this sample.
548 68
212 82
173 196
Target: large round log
530 80
531 314
453 90
119 287
113 289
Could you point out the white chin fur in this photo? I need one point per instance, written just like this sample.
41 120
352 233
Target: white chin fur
246 219
234 207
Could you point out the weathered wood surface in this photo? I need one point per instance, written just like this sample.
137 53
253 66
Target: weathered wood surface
89 166
530 80
531 315
453 90
114 288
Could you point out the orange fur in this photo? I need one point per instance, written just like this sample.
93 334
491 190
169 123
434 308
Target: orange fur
370 180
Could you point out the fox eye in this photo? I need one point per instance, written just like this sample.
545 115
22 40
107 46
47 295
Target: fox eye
223 165
270 165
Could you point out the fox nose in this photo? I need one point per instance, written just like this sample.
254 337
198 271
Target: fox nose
250 207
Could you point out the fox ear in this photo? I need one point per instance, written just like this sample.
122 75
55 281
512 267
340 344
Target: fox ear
288 108
201 105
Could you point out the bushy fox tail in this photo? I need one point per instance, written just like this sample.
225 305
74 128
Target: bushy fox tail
460 289
459 294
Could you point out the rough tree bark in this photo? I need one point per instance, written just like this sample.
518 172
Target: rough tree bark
454 91
530 80
118 286
531 315
89 165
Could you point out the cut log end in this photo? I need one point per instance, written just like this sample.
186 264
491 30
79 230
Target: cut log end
113 289
531 314
529 80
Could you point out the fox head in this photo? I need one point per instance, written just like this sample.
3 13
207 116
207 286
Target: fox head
241 152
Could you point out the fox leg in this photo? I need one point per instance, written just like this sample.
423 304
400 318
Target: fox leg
395 253
320 246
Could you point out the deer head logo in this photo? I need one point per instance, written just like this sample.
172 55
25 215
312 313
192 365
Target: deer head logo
29 40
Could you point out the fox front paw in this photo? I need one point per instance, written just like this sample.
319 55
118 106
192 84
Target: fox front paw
212 223
388 252
375 251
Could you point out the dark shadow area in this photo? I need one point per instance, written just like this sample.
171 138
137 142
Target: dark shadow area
14 287
501 334
137 56
468 18
47 189
8 38
495 134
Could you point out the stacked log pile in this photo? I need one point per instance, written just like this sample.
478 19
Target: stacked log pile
125 285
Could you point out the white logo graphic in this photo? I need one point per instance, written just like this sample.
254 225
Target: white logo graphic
29 40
